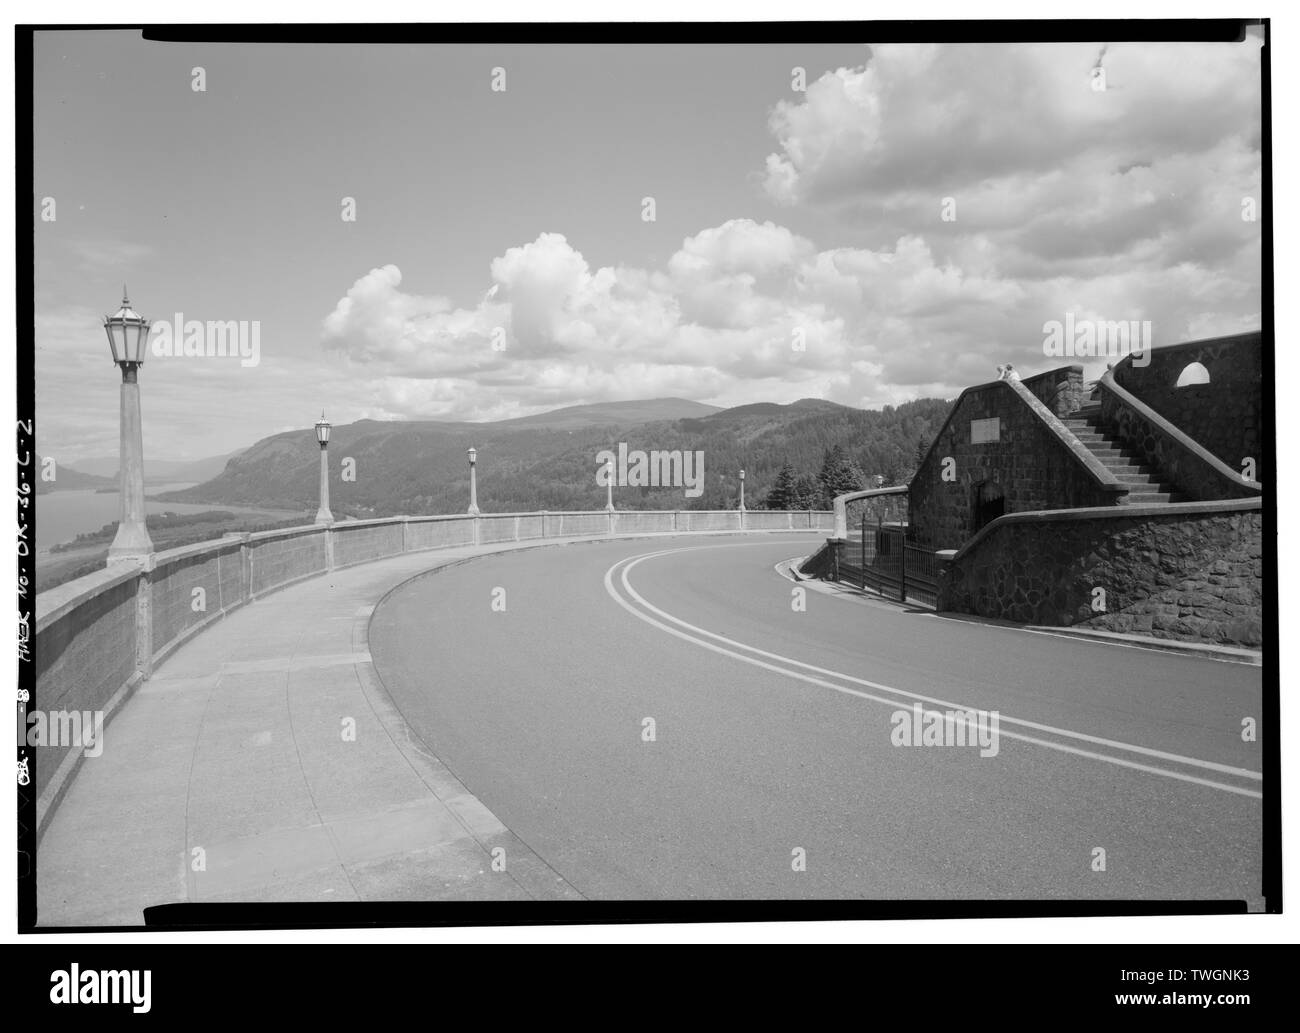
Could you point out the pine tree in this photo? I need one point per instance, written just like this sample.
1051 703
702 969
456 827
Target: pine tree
806 494
781 495
839 474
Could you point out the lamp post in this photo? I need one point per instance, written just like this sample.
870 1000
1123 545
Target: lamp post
323 515
473 481
609 485
127 332
742 491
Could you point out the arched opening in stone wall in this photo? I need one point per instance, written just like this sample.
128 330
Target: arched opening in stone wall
1193 373
987 504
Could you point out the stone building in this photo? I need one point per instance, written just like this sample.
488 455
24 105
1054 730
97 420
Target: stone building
1132 504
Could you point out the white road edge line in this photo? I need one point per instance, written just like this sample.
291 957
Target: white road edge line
629 562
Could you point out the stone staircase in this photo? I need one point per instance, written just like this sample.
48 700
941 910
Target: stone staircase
1145 486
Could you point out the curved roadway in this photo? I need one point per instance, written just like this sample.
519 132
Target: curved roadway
772 734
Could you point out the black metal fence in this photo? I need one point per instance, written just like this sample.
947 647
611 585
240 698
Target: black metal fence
877 556
921 572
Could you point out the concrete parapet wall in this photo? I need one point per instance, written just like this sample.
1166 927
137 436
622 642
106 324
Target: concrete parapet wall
99 636
85 654
765 520
278 558
365 540
564 525
644 522
438 532
709 520
494 529
191 586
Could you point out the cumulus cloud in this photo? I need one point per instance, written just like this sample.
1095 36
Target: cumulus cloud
1116 204
741 312
927 118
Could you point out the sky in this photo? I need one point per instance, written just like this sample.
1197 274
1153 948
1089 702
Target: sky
897 228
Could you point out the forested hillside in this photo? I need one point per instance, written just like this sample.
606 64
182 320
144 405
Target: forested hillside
550 463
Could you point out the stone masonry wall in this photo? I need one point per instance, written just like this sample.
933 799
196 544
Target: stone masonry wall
1224 416
1192 475
1166 572
877 509
1061 390
1029 465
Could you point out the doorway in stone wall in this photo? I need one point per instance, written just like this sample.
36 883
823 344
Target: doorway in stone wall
987 504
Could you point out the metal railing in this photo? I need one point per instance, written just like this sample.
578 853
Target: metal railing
877 556
921 572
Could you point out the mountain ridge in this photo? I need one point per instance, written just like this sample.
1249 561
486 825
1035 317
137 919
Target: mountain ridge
382 468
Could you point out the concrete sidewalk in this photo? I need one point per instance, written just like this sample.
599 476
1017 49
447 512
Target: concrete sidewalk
232 775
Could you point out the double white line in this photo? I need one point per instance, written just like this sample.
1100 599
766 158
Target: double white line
623 591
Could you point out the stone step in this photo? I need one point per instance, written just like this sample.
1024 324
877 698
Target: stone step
1133 477
1146 498
1128 467
1094 438
1117 464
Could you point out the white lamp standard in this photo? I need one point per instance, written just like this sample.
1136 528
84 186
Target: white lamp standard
323 515
473 481
127 333
742 491
609 485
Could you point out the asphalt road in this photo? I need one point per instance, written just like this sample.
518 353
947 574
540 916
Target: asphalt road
774 733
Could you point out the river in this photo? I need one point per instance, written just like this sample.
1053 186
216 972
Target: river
62 515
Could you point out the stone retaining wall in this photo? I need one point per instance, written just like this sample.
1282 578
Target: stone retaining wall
1191 571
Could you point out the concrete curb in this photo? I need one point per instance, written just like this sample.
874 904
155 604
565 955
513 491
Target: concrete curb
534 877
1234 654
